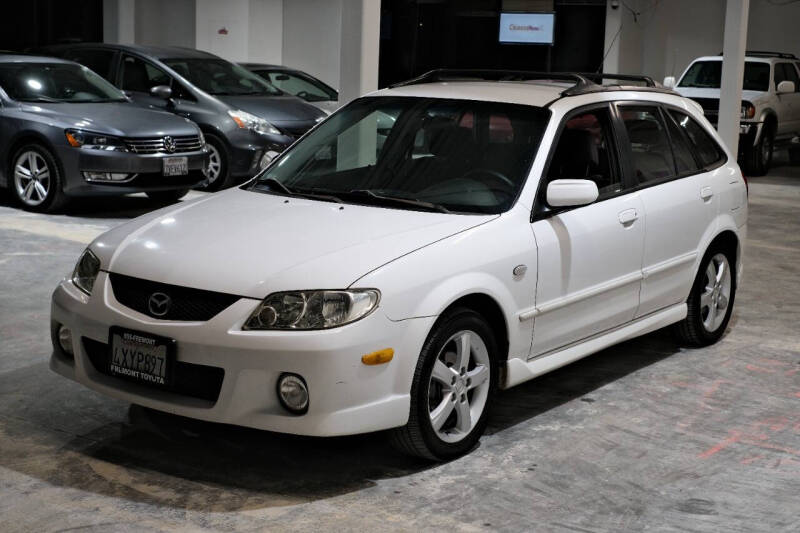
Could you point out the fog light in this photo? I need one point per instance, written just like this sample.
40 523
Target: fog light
293 393
267 159
105 176
65 339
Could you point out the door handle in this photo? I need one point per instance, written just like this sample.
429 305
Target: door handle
628 217
706 193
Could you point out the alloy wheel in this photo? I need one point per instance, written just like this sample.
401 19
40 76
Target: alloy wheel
459 386
716 293
31 178
214 163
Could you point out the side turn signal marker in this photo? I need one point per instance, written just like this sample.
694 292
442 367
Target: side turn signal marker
378 358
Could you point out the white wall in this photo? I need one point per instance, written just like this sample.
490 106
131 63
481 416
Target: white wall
222 28
265 31
312 37
166 23
670 33
118 21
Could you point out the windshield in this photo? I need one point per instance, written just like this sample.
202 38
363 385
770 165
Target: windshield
708 75
56 82
219 77
415 153
305 87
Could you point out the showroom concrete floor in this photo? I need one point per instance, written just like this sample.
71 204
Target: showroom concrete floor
644 435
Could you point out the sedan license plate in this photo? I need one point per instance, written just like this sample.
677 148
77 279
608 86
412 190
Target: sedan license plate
176 166
141 357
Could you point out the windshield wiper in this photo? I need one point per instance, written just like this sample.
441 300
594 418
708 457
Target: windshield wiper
293 192
399 200
47 99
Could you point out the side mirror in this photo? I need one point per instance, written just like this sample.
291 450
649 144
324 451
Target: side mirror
161 91
571 193
784 87
669 82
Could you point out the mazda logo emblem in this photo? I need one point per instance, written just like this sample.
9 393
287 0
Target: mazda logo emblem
159 304
169 144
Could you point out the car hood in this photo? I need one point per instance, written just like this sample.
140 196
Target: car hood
252 244
280 110
122 119
701 92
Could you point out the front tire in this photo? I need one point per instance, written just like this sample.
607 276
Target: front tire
36 181
453 388
710 303
218 165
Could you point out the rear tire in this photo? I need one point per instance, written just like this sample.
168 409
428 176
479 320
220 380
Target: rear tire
758 158
710 304
218 165
453 388
167 197
35 179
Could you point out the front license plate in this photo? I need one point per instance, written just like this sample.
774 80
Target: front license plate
176 166
141 357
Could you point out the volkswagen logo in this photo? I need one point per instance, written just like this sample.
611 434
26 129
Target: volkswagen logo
159 304
169 144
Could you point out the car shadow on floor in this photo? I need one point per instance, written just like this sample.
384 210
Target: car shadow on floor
168 460
103 207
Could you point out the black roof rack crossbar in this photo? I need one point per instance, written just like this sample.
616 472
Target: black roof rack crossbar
579 82
597 76
763 53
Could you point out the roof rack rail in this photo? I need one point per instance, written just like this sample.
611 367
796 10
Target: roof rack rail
579 82
582 83
762 53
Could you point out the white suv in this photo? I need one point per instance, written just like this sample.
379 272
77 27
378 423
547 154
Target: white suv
393 274
770 110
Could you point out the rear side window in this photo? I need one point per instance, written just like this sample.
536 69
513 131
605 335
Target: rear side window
685 162
651 151
706 148
585 151
100 61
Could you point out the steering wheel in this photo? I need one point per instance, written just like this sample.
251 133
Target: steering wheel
489 172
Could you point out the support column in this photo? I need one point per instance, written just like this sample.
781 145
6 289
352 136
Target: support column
358 55
119 21
733 52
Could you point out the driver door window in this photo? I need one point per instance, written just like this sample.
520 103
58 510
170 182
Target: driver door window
585 150
140 76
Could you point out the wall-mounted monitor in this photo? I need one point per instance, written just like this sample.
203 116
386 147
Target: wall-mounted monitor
527 28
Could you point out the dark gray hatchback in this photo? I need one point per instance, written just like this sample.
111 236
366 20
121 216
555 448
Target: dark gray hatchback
246 120
65 131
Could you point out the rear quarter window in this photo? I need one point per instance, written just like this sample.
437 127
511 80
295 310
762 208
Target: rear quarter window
708 151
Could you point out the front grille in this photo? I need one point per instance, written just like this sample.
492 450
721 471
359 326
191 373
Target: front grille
708 104
186 303
188 379
156 145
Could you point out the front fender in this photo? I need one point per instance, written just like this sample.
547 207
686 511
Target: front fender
478 261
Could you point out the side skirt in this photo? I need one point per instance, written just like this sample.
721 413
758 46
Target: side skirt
519 371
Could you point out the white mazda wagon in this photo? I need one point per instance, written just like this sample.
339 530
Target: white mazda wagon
423 247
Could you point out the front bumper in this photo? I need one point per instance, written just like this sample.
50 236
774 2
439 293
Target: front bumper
146 171
346 396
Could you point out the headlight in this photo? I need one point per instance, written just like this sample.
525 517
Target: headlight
748 110
312 309
86 271
202 138
94 141
246 120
